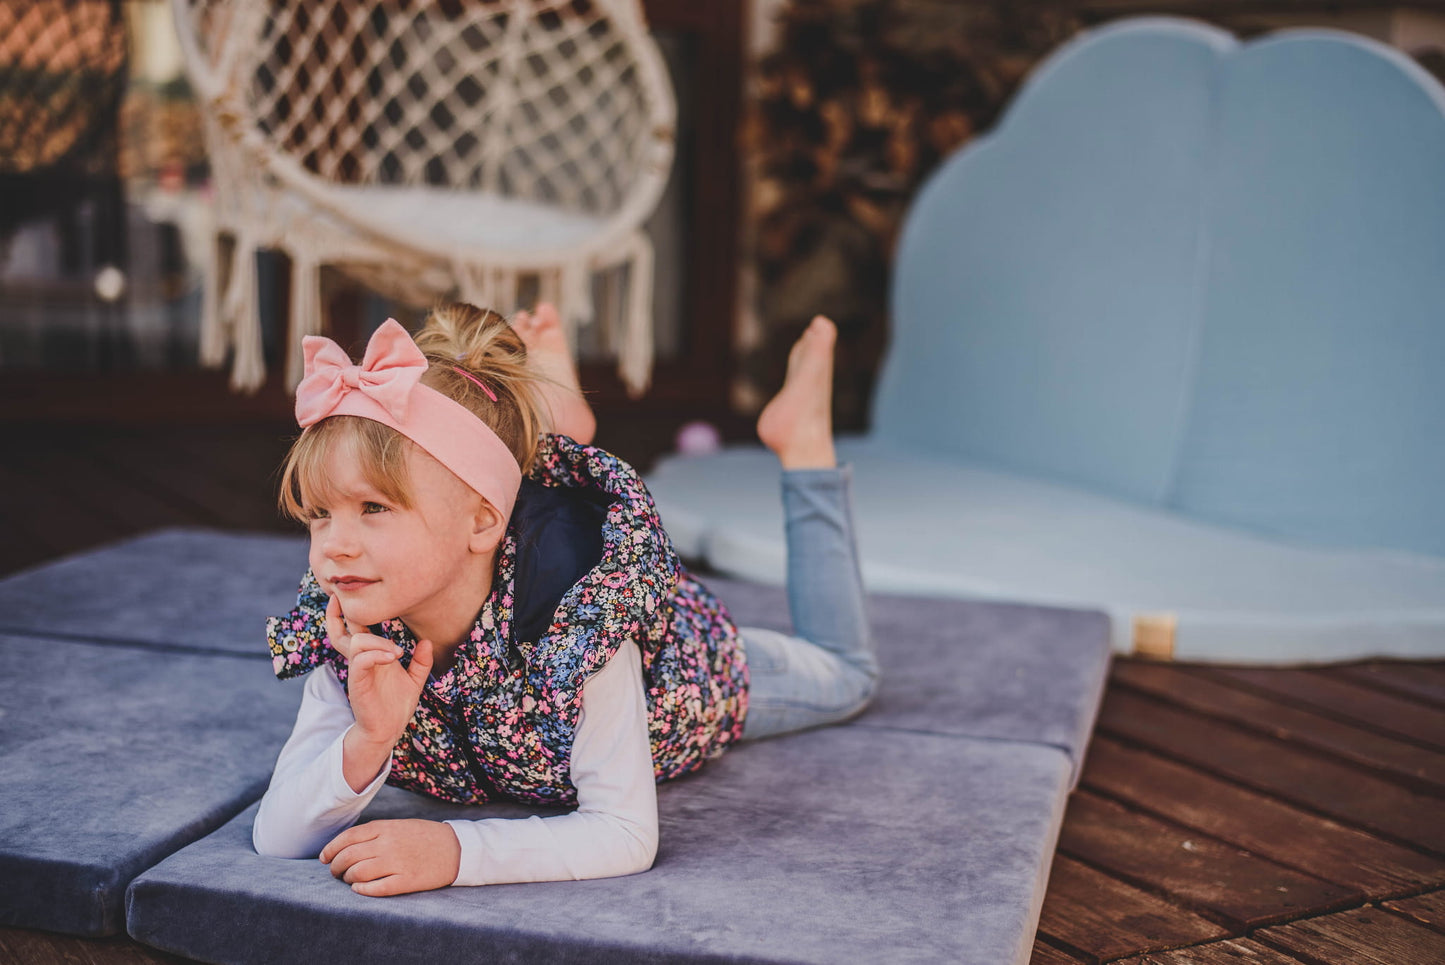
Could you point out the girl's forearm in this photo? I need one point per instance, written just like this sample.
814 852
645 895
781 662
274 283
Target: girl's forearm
309 800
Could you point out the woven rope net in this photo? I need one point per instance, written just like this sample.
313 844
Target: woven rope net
557 113
541 101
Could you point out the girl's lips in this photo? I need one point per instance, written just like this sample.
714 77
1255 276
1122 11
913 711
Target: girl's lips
351 583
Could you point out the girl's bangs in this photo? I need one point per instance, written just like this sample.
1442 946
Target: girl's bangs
305 482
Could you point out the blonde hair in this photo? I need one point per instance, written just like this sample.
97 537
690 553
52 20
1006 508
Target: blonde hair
457 336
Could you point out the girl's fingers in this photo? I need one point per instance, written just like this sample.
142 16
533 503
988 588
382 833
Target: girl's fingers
381 887
370 660
352 835
342 860
347 861
336 628
362 642
421 661
364 869
350 641
368 652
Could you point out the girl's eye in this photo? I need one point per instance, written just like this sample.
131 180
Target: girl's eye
373 508
317 513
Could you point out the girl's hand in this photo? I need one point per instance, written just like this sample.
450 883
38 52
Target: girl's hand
383 694
395 857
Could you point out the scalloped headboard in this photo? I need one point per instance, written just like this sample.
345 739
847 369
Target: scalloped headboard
1196 274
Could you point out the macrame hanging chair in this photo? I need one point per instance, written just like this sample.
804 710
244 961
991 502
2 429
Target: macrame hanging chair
431 149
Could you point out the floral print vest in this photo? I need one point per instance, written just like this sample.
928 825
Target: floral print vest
500 723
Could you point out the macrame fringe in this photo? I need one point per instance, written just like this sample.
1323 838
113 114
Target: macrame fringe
634 356
496 288
574 302
248 369
306 318
214 336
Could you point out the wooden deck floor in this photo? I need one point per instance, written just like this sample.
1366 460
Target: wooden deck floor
1225 815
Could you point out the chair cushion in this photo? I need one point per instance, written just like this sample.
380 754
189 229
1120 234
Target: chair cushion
112 758
472 219
929 524
841 844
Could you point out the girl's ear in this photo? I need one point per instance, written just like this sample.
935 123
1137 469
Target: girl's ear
488 528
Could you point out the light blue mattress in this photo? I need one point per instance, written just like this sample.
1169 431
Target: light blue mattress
938 527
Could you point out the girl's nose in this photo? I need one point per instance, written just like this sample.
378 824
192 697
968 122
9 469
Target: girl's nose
339 540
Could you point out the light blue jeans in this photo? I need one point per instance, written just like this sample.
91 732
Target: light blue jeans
829 671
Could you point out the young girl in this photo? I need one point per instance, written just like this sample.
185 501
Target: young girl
496 613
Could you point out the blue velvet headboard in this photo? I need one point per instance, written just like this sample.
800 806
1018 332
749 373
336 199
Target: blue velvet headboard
1195 274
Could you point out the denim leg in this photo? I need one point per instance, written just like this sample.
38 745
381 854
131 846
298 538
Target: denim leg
829 671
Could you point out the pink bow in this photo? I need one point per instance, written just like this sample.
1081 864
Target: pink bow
386 375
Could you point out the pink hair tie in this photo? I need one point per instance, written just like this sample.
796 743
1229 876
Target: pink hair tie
479 383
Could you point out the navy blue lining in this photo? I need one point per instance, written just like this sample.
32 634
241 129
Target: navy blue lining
559 541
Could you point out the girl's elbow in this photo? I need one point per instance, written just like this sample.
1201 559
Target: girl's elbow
264 845
271 845
631 848
642 848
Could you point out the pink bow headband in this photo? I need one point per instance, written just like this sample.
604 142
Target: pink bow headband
386 388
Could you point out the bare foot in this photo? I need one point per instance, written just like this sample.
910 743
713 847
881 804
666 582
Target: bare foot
798 423
561 390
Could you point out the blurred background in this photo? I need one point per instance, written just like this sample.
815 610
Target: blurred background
804 127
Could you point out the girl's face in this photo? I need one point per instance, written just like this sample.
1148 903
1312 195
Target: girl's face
385 561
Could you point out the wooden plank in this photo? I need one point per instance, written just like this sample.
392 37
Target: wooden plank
248 454
1100 917
1423 681
1257 822
1303 777
1236 951
19 549
132 508
1428 910
1193 869
220 502
1046 954
1364 936
54 521
1191 687
1348 700
20 945
247 458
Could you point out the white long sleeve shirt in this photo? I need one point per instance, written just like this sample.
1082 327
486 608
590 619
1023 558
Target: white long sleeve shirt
612 832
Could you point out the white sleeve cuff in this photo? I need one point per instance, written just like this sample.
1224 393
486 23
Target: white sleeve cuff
471 870
337 788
